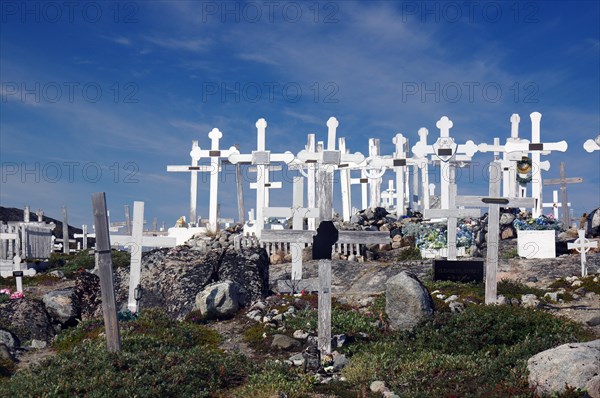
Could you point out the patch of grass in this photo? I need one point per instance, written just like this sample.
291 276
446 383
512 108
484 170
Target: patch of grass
587 283
254 337
160 357
512 289
7 368
409 254
482 351
508 254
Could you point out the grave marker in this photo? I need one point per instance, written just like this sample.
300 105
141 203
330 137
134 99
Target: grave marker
261 158
563 181
536 147
446 151
104 265
555 205
136 242
582 246
493 202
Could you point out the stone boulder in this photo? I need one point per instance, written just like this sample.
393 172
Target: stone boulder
221 299
284 342
574 365
62 306
88 295
593 223
27 319
407 302
172 278
9 340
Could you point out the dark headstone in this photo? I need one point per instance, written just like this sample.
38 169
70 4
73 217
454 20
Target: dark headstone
458 270
327 235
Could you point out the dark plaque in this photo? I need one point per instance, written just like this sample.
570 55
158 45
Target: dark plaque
536 147
497 201
311 161
364 180
214 153
194 168
445 152
458 270
399 162
267 184
327 235
17 273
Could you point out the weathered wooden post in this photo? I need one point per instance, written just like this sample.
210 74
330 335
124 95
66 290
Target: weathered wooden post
104 265
65 228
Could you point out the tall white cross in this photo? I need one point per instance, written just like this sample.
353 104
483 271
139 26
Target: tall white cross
135 243
261 158
555 204
193 169
374 173
582 246
536 148
447 151
423 166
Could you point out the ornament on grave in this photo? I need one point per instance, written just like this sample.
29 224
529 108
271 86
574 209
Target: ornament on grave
180 223
312 358
524 170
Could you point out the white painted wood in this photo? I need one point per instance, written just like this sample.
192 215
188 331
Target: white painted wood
65 230
374 174
592 145
582 246
536 148
261 158
135 243
563 181
536 244
555 205
193 169
345 182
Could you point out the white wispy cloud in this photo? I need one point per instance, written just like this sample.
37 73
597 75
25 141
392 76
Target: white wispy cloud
172 43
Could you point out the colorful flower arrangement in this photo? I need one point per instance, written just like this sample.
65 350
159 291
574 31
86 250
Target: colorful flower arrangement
541 223
434 236
6 294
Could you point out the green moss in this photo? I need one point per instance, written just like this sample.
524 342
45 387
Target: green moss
410 254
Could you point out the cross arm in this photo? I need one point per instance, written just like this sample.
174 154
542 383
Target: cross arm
482 201
445 213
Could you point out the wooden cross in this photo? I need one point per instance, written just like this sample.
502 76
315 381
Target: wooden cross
446 151
493 202
261 158
374 173
310 175
298 213
582 246
363 181
536 148
389 195
563 181
268 183
136 242
346 181
65 228
592 145
452 214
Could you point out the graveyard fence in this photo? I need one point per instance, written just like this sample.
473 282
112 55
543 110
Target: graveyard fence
29 240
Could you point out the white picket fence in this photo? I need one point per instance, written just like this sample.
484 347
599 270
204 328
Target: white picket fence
241 242
28 240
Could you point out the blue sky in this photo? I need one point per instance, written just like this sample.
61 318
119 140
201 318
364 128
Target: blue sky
102 96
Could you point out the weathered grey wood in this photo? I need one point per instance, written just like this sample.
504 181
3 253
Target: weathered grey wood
65 229
563 181
127 220
104 265
348 237
493 202
324 302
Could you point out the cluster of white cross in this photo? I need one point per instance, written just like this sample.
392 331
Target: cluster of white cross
400 194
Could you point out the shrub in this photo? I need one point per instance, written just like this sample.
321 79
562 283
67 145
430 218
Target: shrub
410 254
482 351
160 357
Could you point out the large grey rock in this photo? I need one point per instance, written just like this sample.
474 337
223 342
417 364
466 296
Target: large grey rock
507 218
61 306
594 224
220 299
574 365
172 278
27 319
407 302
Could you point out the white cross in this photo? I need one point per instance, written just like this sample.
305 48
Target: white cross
536 148
261 158
592 145
374 173
193 169
446 150
582 246
310 175
135 243
452 215
555 204
493 202
399 163
363 181
298 213
563 181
